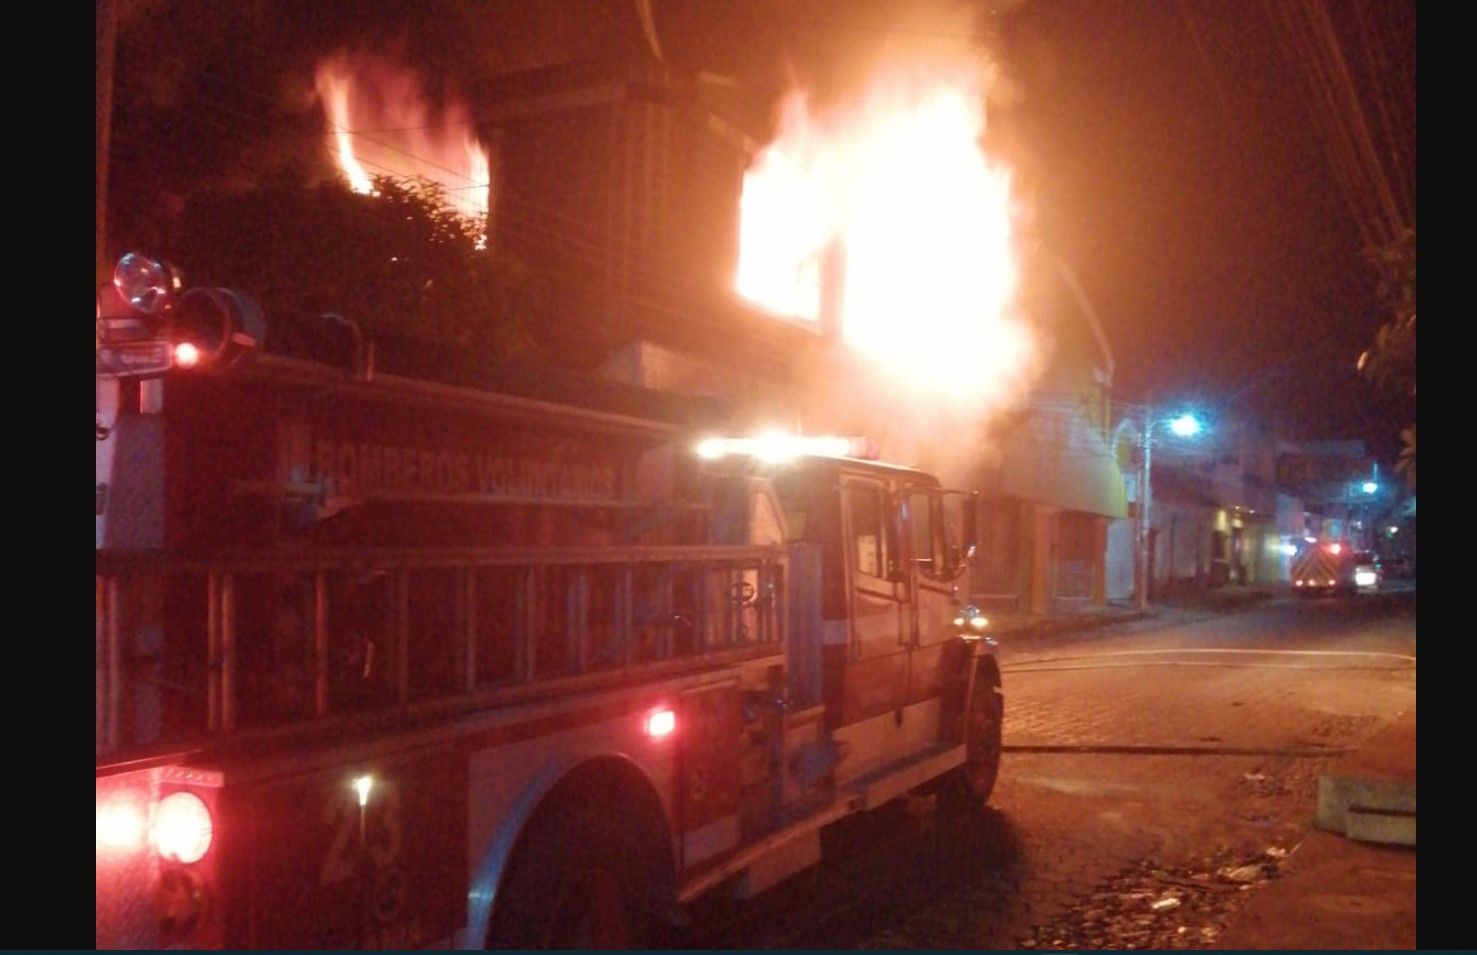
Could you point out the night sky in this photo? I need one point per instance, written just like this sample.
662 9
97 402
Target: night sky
1168 145
1198 204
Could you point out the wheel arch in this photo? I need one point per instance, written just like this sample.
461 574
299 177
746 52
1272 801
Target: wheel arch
986 669
615 783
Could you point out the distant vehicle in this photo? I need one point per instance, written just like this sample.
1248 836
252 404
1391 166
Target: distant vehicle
1366 570
1333 568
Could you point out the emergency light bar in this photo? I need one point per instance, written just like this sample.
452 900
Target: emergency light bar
776 447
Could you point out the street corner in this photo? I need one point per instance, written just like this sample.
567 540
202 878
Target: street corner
1333 893
1369 795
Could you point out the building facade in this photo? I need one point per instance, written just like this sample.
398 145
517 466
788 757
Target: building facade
1052 493
1218 514
1345 496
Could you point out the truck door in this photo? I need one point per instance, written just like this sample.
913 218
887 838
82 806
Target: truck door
876 674
936 553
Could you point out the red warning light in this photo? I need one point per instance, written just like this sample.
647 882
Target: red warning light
186 355
661 723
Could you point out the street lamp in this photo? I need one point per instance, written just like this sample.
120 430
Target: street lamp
1184 425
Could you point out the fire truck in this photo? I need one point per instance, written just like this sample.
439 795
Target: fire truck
1320 567
388 662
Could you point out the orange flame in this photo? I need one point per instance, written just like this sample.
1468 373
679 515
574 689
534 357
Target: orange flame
381 123
897 192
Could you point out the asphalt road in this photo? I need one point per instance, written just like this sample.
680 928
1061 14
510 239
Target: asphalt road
1153 776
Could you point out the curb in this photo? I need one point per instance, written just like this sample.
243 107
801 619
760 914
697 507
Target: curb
1034 633
1369 795
1351 883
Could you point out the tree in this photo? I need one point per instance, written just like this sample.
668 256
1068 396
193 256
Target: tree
399 263
1391 360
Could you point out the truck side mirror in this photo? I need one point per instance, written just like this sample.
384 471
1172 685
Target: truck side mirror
971 527
959 538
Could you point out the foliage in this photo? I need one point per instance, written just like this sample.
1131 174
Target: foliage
1391 360
1406 464
401 263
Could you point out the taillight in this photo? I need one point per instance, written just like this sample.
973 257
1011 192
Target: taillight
183 829
120 825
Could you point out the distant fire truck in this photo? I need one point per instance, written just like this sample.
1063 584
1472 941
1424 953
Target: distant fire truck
1323 568
383 662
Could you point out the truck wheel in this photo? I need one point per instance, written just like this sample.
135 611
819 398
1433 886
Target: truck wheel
575 883
983 727
969 786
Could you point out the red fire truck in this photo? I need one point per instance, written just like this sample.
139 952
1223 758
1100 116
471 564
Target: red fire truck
1323 568
384 662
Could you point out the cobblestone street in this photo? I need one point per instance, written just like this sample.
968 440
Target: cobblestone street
1149 787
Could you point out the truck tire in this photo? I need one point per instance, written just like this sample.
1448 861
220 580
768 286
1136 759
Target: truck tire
576 882
969 786
983 734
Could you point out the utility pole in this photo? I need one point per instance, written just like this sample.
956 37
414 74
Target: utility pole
1141 550
107 45
1183 426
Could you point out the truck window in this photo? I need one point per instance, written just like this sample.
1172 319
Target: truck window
864 502
766 526
795 493
925 543
954 547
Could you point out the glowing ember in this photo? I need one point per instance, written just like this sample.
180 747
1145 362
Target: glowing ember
897 192
382 124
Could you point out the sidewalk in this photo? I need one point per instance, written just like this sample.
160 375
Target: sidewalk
1030 632
1335 892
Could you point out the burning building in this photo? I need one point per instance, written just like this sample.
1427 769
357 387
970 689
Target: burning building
848 264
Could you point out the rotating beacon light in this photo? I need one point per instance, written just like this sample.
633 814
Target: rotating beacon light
148 322
777 447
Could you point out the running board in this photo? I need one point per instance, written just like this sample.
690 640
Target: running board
774 842
891 781
865 792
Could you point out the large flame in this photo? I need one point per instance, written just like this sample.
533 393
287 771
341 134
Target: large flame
381 123
897 193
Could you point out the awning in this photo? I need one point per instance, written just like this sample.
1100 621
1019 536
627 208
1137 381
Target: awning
1070 481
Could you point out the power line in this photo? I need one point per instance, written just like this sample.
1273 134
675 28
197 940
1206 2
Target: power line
1306 33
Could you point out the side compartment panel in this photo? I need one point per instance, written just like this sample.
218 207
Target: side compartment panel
329 872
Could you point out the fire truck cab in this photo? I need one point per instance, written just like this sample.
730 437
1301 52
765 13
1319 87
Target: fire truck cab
387 662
